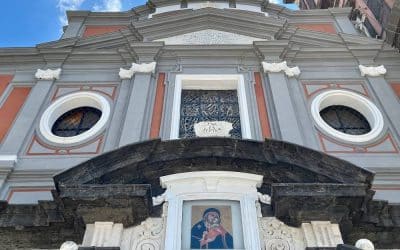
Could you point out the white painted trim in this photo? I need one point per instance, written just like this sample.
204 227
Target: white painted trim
210 82
212 185
352 100
8 158
282 66
67 103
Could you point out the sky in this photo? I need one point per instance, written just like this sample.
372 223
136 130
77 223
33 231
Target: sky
25 23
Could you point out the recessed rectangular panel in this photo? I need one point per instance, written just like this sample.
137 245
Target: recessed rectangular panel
11 107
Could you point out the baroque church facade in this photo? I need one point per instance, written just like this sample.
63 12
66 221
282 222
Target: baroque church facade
201 125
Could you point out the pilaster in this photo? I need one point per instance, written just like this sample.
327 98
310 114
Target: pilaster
341 16
136 126
387 99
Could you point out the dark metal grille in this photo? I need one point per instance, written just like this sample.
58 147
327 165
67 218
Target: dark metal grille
209 105
345 119
76 121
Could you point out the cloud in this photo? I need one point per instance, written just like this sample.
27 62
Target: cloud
64 5
108 5
101 5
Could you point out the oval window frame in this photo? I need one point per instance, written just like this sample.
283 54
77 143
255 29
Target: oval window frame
70 102
355 101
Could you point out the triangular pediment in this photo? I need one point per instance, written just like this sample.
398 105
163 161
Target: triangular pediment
209 37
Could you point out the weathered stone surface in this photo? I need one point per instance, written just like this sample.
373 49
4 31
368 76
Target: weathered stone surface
279 162
346 247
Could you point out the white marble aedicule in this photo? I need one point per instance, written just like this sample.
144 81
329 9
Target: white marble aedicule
372 71
48 74
282 66
137 68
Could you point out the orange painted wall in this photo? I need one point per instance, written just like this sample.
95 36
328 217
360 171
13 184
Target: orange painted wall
262 106
158 107
396 88
94 30
11 107
4 81
322 27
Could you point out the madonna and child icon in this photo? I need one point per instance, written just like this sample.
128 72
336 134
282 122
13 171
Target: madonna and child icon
209 233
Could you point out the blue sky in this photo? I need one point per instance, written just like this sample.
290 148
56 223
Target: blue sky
25 23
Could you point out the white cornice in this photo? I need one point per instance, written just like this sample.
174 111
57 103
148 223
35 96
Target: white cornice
48 74
282 66
137 68
372 71
8 158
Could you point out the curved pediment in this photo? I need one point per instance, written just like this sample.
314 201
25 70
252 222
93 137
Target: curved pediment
277 161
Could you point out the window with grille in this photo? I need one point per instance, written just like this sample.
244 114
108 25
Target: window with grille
76 121
208 105
345 120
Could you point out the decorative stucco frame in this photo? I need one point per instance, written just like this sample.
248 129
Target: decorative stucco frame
211 185
210 82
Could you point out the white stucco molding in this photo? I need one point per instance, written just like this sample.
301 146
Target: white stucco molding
69 245
372 71
264 198
8 158
213 129
211 181
148 235
158 200
282 66
48 74
365 244
137 68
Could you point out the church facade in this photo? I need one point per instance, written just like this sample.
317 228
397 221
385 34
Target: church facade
201 125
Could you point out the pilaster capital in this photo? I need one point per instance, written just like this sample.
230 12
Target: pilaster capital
271 50
372 70
147 52
48 74
279 67
137 68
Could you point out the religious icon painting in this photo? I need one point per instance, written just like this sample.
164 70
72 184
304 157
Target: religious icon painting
212 225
